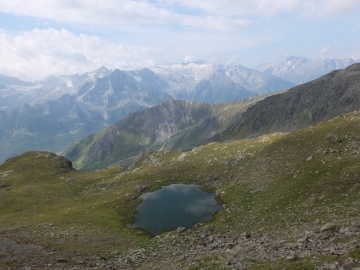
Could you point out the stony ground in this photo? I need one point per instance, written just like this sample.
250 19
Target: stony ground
200 247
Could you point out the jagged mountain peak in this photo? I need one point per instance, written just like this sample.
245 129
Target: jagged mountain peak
99 73
118 73
296 58
217 82
103 69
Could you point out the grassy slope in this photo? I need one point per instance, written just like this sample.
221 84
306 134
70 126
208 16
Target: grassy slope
77 151
276 184
130 144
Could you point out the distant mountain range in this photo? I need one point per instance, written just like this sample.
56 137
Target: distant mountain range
56 112
106 89
72 107
300 70
181 125
217 83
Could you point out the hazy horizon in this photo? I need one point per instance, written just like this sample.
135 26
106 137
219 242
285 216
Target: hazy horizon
42 38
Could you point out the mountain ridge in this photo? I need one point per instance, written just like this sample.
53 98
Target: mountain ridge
302 106
102 97
55 123
174 124
186 80
329 96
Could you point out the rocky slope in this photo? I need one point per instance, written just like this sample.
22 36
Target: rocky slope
73 107
302 106
14 92
122 92
174 124
51 125
290 201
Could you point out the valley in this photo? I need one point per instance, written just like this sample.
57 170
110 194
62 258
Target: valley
183 125
172 125
284 167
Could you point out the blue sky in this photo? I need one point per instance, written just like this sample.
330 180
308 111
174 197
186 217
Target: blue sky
52 37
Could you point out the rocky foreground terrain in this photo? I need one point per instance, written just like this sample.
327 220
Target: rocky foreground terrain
201 248
291 201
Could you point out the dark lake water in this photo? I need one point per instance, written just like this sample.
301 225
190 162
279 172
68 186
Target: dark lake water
175 206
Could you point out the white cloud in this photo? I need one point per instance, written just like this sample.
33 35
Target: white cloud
211 14
325 49
116 12
213 22
143 32
309 8
38 53
225 15
335 7
88 11
189 58
269 7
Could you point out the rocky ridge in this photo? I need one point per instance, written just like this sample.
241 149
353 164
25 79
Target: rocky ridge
175 124
327 97
68 108
217 83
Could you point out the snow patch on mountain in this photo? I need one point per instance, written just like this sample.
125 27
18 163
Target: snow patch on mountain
187 80
300 70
